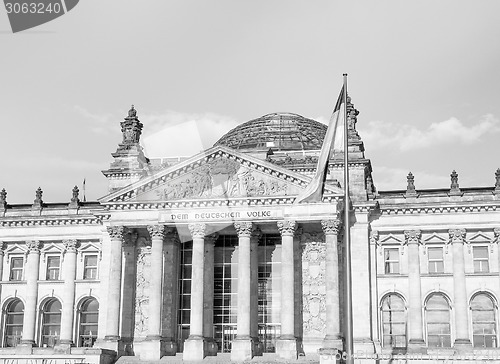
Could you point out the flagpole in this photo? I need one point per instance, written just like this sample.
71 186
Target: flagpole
349 346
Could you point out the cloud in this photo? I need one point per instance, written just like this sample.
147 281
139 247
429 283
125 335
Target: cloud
183 134
99 123
407 137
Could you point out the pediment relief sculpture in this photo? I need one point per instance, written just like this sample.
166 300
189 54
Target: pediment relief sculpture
222 178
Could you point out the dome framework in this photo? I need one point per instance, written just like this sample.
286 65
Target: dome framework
280 131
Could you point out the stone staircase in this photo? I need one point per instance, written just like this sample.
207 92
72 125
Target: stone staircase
222 358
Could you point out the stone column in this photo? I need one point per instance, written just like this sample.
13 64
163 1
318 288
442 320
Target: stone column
2 254
462 340
30 309
332 340
194 346
254 290
416 341
152 347
113 296
68 308
242 346
208 295
170 291
286 345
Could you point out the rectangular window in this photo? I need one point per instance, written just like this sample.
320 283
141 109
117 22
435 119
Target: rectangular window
16 268
391 260
480 257
90 267
53 267
436 261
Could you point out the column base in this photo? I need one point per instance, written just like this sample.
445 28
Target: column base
258 347
195 348
462 346
286 348
64 347
332 342
110 343
211 346
417 346
25 347
155 348
242 349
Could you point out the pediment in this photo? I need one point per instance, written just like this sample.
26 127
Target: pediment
218 173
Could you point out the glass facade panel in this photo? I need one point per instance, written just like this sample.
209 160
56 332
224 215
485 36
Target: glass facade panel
186 258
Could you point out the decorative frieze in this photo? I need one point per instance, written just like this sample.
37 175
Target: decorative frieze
331 227
197 230
287 227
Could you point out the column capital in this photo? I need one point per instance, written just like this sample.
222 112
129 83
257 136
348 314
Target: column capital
211 238
172 236
244 228
158 231
287 227
2 247
374 237
412 236
457 235
331 227
496 234
116 232
33 246
197 229
71 245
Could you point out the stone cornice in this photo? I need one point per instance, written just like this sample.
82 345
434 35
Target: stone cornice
247 201
466 208
50 221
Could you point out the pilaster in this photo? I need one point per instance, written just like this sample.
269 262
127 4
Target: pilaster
416 341
31 275
68 309
462 340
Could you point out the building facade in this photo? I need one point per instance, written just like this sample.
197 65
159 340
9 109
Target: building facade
206 255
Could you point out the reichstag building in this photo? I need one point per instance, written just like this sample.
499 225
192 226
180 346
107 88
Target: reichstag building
191 258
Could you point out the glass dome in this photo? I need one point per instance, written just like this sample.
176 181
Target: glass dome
279 131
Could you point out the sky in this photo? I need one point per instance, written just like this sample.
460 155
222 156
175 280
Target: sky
425 76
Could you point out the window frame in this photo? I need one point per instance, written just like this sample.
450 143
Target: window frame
84 339
12 258
85 256
388 263
43 324
435 261
494 323
404 311
49 270
481 260
448 322
16 337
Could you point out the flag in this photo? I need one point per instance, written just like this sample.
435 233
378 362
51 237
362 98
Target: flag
334 141
84 196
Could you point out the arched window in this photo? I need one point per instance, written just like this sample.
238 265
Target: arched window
51 323
483 321
88 318
437 314
14 315
393 321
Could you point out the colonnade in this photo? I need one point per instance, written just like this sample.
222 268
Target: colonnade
200 342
